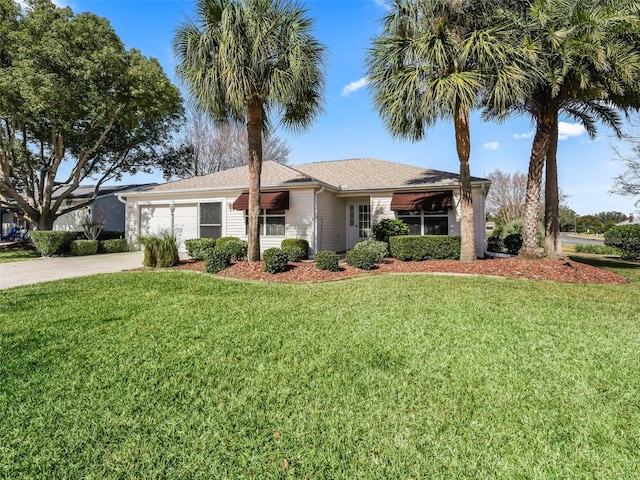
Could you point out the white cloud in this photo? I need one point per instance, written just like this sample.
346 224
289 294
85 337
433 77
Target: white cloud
491 146
354 86
566 130
382 3
520 136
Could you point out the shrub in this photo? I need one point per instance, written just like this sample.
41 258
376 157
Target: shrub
294 253
597 249
235 249
495 244
327 260
160 250
388 227
50 242
84 247
222 240
296 242
115 245
426 247
274 260
625 238
198 248
381 249
362 258
216 260
513 243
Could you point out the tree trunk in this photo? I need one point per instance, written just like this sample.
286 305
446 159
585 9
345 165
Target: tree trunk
534 183
463 146
254 138
552 242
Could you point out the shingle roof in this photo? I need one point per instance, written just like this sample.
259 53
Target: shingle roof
354 174
273 175
370 173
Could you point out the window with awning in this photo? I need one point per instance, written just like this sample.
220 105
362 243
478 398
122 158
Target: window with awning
422 201
268 201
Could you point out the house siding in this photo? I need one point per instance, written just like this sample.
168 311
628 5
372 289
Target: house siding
331 222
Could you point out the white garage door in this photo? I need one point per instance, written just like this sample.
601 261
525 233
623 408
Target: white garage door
154 219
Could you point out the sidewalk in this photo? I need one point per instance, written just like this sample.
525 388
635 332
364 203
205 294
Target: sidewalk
15 274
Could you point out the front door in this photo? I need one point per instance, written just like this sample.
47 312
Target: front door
358 222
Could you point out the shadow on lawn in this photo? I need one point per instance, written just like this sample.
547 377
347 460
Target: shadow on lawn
601 261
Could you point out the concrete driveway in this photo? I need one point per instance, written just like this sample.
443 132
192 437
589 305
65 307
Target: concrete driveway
40 270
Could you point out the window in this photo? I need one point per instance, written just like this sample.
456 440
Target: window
364 221
271 221
211 220
425 223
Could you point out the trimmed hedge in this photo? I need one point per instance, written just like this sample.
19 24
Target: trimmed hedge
216 260
363 258
327 260
425 247
380 249
295 253
625 238
51 242
236 249
296 242
84 247
222 240
116 245
274 260
198 248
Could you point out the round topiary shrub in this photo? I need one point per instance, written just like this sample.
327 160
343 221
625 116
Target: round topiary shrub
236 249
513 243
362 258
84 247
381 249
327 260
197 248
222 240
296 242
274 260
295 253
216 260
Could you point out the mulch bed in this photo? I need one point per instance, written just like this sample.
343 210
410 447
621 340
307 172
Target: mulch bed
557 270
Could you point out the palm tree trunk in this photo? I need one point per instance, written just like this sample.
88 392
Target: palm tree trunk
463 145
534 183
254 138
552 242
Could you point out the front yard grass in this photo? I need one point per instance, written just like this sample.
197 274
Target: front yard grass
7 256
182 375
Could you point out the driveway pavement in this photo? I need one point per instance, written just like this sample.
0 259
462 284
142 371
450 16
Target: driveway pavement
569 239
40 270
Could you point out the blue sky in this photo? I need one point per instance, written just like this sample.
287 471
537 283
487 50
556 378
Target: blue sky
350 128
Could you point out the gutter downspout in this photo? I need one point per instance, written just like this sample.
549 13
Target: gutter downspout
316 236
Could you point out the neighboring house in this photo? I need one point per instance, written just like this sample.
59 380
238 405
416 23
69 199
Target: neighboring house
331 204
630 221
105 209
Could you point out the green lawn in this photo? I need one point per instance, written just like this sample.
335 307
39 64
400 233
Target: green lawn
181 375
7 256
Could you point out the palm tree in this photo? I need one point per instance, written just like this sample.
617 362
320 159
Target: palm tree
587 69
439 59
244 61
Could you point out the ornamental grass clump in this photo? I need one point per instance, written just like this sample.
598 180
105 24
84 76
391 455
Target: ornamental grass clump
327 260
160 250
84 247
274 260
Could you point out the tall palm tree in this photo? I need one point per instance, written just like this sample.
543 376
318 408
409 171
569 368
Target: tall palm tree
244 61
439 59
587 69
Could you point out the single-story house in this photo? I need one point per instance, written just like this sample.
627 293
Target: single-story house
330 204
105 209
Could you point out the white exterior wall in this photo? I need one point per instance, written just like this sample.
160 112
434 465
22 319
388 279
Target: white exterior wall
332 222
381 207
151 216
